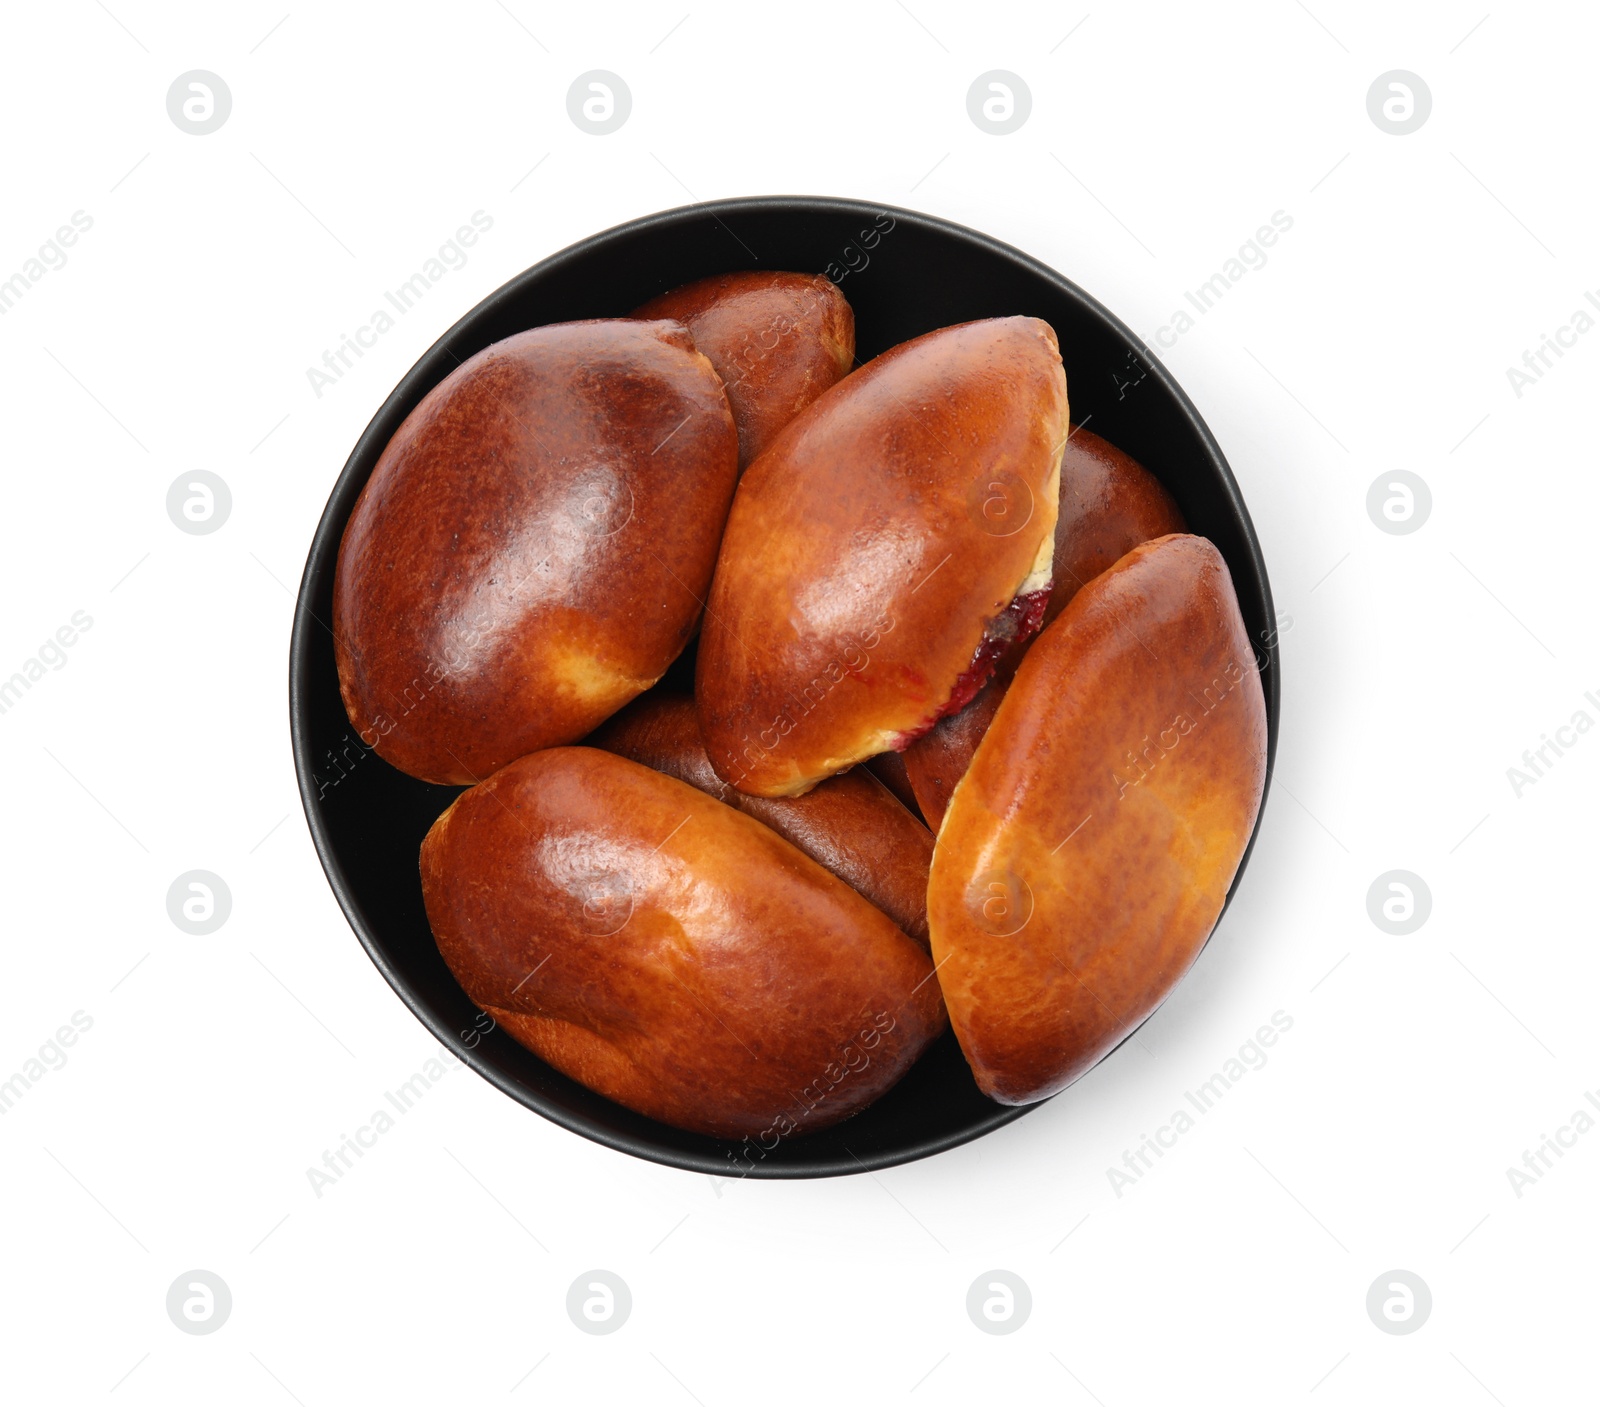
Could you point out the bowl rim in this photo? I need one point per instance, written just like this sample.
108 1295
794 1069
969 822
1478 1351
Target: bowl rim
429 369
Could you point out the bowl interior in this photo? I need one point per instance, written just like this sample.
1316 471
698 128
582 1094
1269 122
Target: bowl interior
904 274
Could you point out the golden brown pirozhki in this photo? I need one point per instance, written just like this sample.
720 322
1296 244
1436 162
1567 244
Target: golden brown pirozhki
670 952
851 825
777 340
890 542
1087 853
533 546
1110 503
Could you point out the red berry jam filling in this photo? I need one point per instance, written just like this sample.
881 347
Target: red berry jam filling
1019 621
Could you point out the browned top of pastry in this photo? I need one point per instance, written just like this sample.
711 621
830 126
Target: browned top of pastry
777 340
1087 853
670 952
851 825
1110 503
872 546
533 546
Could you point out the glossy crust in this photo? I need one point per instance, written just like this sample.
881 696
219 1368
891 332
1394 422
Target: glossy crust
669 952
1087 852
1110 503
870 549
533 546
777 340
851 825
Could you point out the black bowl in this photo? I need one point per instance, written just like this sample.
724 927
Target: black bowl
904 274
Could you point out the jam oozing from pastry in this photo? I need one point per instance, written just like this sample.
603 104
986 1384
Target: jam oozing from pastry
1018 622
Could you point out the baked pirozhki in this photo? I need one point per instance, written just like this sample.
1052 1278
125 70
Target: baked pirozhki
1088 851
887 547
777 340
1109 504
534 545
919 593
851 825
670 952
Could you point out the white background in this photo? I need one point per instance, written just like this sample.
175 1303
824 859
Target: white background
1416 671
